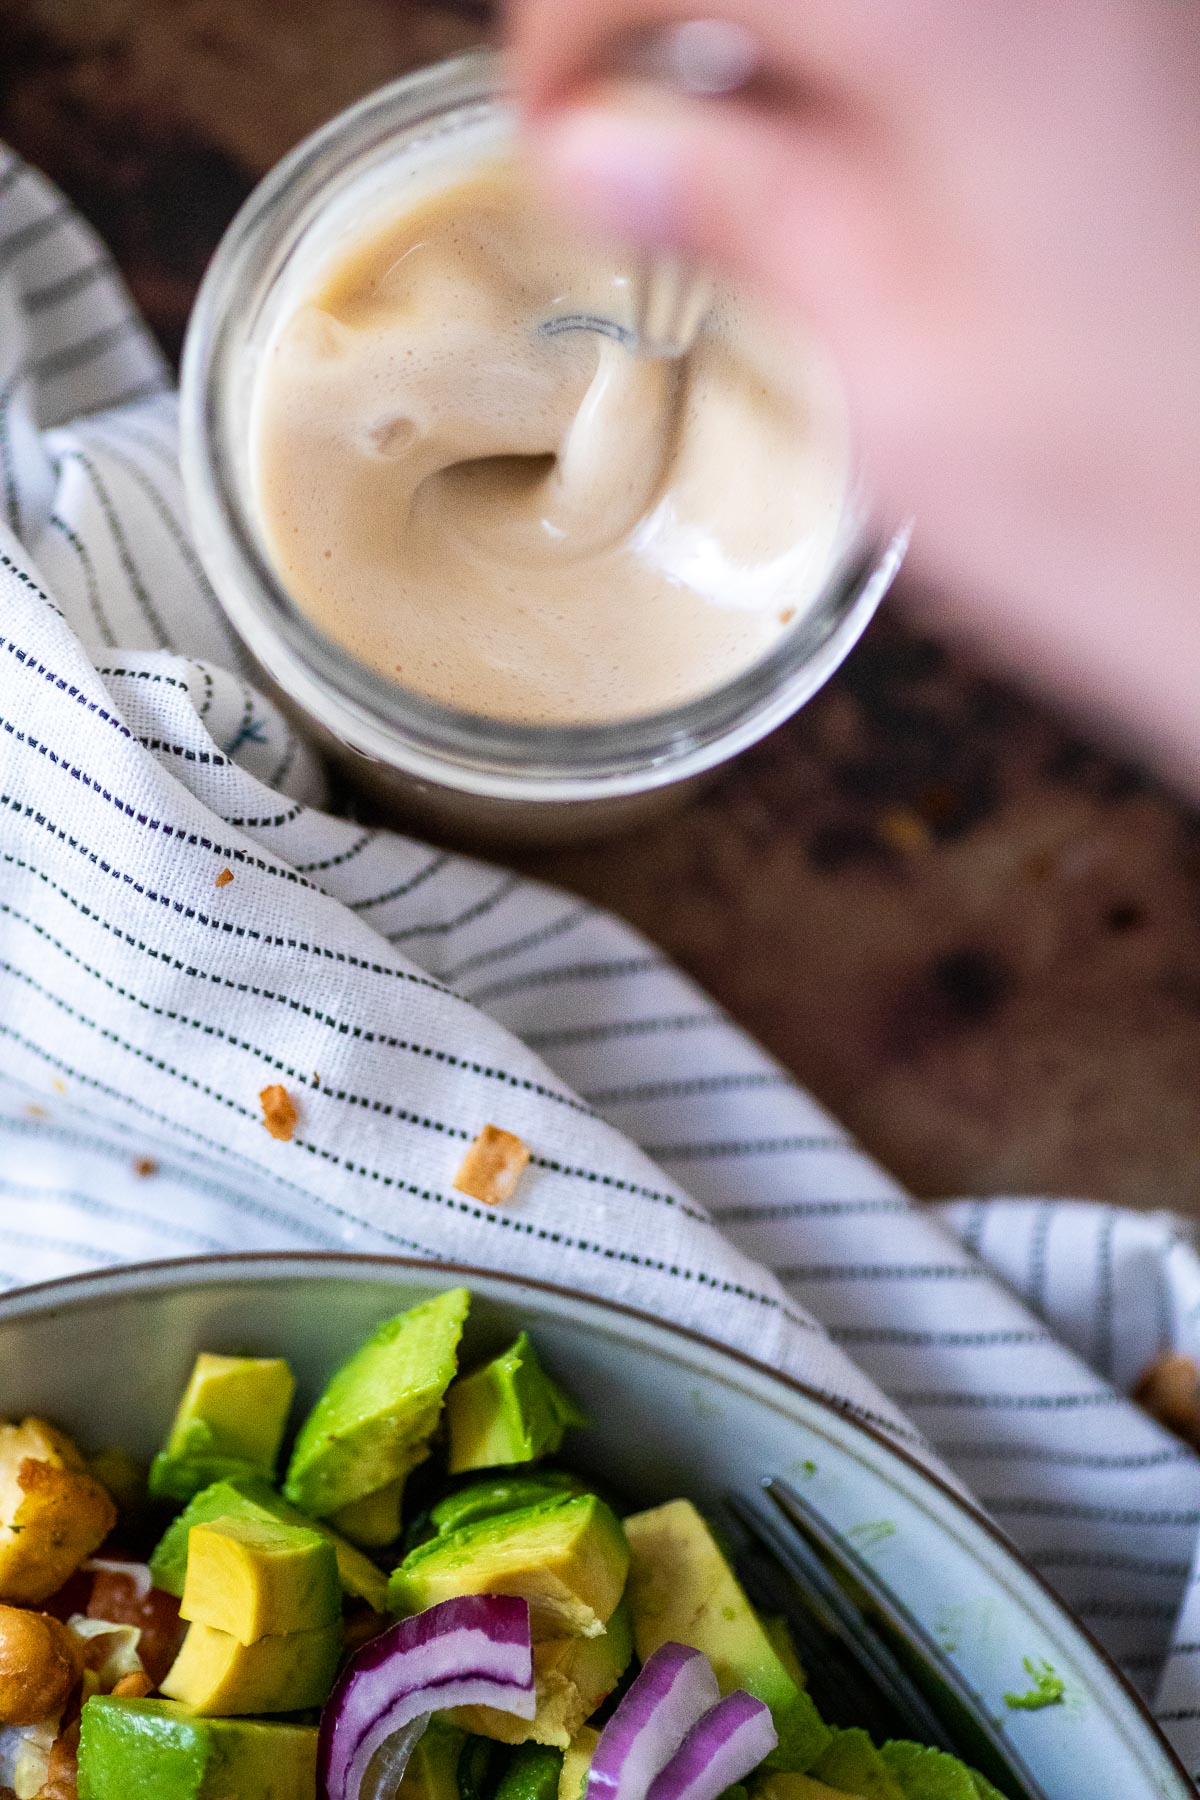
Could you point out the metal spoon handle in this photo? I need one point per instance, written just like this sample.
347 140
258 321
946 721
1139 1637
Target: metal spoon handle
670 300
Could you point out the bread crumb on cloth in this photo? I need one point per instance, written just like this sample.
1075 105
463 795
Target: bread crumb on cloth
145 1165
1169 1389
279 1112
492 1166
224 878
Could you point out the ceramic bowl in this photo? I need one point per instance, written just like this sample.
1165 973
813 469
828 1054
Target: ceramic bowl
106 1356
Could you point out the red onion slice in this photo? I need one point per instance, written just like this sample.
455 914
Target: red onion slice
721 1748
471 1651
674 1689
385 1771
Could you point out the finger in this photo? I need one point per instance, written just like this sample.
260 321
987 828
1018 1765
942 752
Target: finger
777 204
556 49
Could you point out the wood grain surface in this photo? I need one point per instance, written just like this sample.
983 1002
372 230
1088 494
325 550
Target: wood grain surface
976 937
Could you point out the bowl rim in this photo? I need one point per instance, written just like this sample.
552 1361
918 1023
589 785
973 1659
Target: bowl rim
14 1301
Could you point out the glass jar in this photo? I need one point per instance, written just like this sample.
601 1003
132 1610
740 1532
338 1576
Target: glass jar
480 777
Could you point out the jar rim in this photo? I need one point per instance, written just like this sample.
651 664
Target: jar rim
373 715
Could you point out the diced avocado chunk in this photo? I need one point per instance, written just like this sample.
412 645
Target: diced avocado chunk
577 1762
251 1498
258 1578
779 1636
572 1676
683 1590
374 1420
507 1412
432 1769
594 1666
374 1520
852 1765
923 1773
154 1750
785 1784
501 1494
533 1774
803 1733
230 1421
215 1675
567 1557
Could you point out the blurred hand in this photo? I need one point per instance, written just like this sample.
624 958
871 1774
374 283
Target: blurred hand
992 212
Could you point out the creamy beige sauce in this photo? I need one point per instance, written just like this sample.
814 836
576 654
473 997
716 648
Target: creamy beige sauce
533 524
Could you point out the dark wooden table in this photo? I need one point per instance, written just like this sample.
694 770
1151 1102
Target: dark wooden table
975 937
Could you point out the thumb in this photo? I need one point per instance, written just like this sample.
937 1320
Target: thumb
760 196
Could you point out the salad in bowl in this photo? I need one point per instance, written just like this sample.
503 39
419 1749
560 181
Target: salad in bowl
420 1592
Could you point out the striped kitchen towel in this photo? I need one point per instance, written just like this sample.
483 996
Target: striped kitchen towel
181 926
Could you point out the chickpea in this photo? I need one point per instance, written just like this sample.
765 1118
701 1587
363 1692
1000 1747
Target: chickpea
39 1666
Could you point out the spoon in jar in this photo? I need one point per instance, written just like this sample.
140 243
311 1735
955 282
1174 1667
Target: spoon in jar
702 58
668 301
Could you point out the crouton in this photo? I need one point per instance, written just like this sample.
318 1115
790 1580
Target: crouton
492 1166
53 1514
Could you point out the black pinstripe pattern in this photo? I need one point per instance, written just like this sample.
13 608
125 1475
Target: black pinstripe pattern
137 587
529 940
431 867
66 287
766 1146
8 466
342 856
564 974
84 558
343 1027
690 1087
72 357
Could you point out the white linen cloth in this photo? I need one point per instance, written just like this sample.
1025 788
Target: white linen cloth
406 997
